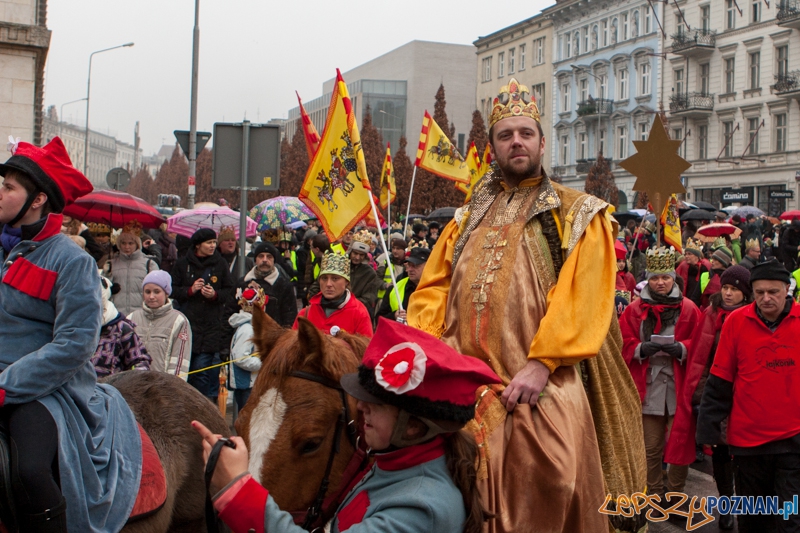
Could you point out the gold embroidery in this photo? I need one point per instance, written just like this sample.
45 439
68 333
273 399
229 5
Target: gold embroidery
539 253
583 215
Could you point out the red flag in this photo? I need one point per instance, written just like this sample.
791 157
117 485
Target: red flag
309 131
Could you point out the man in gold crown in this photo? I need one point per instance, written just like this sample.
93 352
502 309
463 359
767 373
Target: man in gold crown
752 253
364 282
523 278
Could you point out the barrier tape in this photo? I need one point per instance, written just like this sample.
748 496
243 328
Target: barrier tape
254 354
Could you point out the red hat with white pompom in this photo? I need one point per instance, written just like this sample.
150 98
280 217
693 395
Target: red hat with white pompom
418 373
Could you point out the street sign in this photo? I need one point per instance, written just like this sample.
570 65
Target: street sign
183 141
118 178
781 194
263 153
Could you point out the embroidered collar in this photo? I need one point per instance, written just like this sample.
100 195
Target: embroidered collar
526 183
410 456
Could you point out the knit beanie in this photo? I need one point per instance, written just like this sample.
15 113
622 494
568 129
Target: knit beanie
266 247
723 255
739 277
160 278
769 270
202 235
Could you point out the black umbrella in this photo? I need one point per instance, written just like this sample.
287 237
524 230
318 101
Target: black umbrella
625 216
705 205
442 212
697 214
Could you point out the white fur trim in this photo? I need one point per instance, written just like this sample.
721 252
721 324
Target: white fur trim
264 425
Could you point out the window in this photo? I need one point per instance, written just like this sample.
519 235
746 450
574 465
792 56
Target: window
702 142
567 46
622 135
487 69
644 131
501 64
681 27
537 91
704 79
644 79
565 97
564 150
756 11
512 60
752 134
782 54
677 76
601 141
538 51
522 57
584 88
582 145
727 140
625 31
780 132
677 135
730 14
577 39
755 70
622 88
585 39
604 26
648 25
705 18
730 78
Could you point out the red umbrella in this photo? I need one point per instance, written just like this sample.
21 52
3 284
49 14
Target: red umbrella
114 208
709 232
790 215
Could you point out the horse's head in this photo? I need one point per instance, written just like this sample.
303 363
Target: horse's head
289 422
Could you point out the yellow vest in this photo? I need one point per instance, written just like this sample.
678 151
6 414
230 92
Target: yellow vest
394 304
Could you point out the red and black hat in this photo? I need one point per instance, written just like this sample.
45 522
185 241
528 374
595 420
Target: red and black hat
418 373
51 171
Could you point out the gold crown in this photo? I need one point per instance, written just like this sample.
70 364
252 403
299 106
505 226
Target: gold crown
99 229
694 244
512 102
363 236
752 243
133 226
719 242
661 260
226 233
397 225
250 297
285 236
271 235
419 244
333 263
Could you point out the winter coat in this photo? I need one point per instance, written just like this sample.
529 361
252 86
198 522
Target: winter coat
119 349
788 244
680 448
233 263
50 316
406 490
207 317
128 271
168 337
351 316
243 372
364 285
281 304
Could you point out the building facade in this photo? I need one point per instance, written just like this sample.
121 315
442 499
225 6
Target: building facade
521 51
400 86
733 75
606 85
24 42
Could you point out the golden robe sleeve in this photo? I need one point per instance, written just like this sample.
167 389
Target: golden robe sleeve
580 305
427 305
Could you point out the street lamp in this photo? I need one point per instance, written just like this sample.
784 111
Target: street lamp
61 115
88 92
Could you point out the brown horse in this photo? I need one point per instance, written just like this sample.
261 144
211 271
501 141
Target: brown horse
289 422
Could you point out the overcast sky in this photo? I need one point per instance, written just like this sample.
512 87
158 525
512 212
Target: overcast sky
253 54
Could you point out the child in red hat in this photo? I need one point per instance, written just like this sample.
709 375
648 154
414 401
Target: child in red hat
50 315
415 393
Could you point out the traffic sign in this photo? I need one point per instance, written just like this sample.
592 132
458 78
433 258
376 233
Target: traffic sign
183 141
263 156
118 178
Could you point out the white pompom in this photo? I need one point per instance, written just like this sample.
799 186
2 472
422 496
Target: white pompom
401 367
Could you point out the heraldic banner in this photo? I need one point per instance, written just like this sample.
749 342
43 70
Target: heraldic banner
438 155
388 188
671 222
309 131
336 187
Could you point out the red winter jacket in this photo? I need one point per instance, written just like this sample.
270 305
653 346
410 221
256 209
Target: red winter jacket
680 449
352 316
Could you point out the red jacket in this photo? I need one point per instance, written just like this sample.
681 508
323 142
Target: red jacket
625 282
680 449
764 367
352 317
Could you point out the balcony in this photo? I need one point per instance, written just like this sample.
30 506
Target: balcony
692 105
695 43
787 85
789 14
595 108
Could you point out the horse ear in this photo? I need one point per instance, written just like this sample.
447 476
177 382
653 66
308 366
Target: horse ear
312 343
266 332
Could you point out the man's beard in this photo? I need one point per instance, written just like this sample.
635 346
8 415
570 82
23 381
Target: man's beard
261 273
532 170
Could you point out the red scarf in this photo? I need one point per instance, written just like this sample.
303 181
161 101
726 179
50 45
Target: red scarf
657 309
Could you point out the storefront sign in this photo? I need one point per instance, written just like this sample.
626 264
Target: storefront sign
737 196
781 194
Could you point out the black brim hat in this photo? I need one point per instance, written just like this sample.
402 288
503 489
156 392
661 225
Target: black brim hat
352 387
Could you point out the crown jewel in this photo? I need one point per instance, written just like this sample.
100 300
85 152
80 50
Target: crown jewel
661 260
363 236
512 102
333 263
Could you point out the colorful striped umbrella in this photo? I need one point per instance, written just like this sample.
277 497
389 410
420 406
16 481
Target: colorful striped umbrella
280 211
115 208
190 220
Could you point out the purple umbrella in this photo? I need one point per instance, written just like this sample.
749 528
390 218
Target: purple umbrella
188 221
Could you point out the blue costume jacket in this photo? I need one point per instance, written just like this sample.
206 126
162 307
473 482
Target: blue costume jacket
50 315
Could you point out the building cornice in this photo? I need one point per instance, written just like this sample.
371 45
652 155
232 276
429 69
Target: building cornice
24 36
487 42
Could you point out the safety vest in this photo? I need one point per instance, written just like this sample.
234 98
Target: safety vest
796 276
294 264
387 278
705 277
394 304
338 248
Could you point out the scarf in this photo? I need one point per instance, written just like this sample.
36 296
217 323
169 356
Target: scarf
335 303
722 312
10 237
659 311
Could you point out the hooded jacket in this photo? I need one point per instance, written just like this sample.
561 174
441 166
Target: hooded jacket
128 271
168 337
244 370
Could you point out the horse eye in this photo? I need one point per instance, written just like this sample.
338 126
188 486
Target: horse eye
310 446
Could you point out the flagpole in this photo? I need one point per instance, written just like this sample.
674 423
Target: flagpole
388 258
410 195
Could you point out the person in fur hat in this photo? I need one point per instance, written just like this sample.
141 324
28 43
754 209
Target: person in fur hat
77 441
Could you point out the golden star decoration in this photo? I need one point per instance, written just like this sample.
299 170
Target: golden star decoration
657 166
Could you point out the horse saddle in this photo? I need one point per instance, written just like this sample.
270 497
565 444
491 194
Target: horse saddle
152 488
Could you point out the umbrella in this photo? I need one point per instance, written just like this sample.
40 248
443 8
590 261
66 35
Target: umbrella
790 215
190 220
280 211
747 210
718 229
442 212
730 209
697 214
115 208
705 205
624 216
